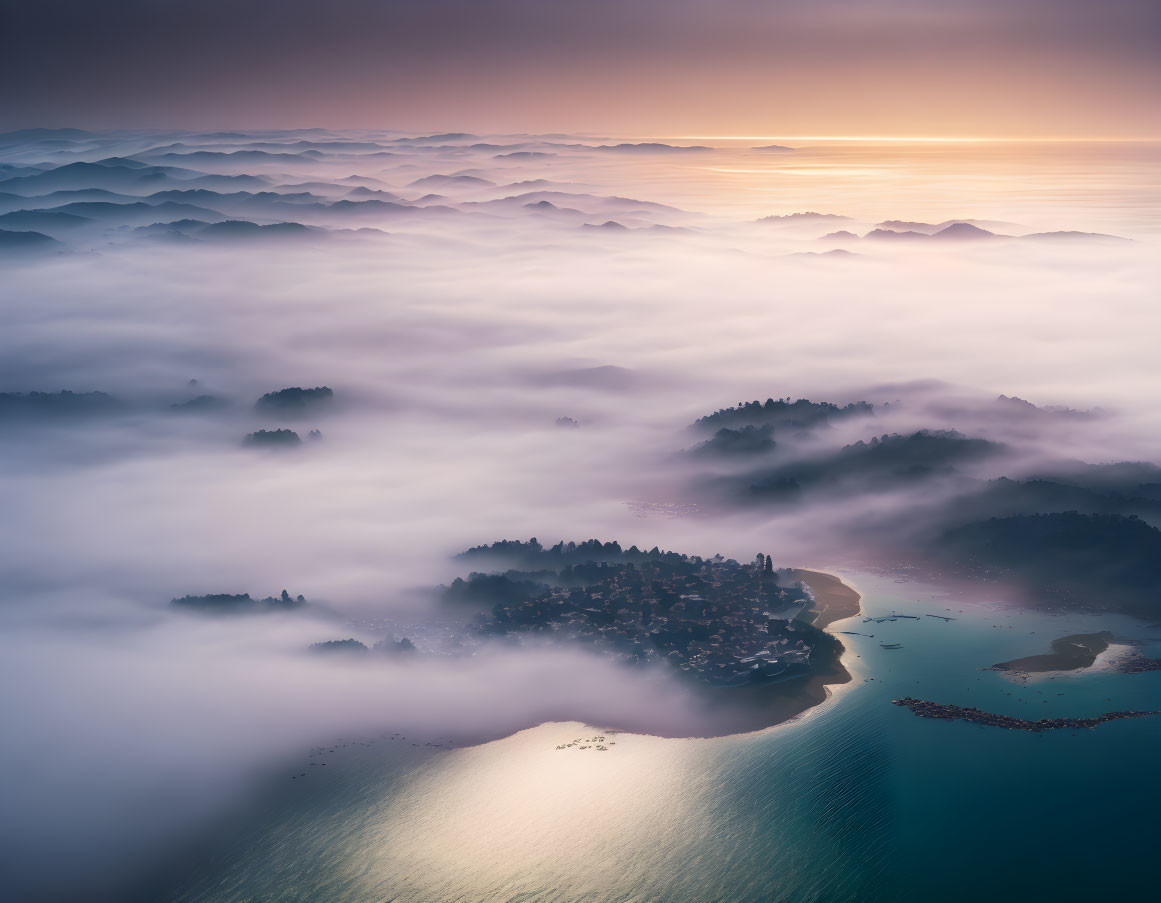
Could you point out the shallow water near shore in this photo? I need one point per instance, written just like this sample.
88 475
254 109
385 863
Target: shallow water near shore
857 800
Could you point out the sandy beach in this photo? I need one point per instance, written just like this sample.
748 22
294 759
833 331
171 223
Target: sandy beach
1113 657
834 600
1102 656
761 707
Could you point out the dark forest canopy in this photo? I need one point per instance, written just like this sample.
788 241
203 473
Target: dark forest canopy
748 440
294 399
485 590
782 413
238 603
56 404
533 554
1101 561
273 438
883 462
341 647
924 450
1040 495
1068 533
200 403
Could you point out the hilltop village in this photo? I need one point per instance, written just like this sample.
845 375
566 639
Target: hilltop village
720 622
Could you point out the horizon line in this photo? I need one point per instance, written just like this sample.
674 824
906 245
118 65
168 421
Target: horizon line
611 134
910 138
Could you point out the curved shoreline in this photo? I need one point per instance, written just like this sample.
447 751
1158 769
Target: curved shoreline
761 708
748 710
736 711
838 601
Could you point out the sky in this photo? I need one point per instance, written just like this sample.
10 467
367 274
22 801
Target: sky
975 68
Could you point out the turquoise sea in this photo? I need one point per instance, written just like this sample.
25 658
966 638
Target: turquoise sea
858 801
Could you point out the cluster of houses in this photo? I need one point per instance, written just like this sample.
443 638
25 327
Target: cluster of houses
725 623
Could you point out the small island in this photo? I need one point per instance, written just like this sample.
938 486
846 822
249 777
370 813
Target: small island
294 399
1069 653
1080 651
61 404
238 603
272 439
349 646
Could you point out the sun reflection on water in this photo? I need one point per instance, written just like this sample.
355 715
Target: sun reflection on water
520 815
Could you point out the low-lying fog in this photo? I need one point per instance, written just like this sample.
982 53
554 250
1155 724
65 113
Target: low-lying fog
452 347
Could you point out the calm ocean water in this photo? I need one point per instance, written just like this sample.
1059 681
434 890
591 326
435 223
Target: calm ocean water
858 801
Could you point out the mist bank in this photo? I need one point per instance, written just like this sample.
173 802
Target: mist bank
498 361
126 741
1004 500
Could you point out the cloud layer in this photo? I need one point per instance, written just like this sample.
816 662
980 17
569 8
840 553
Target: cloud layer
455 330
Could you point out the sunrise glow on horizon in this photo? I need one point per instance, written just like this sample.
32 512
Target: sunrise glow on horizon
916 139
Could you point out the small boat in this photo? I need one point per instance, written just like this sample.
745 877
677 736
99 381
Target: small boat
891 645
